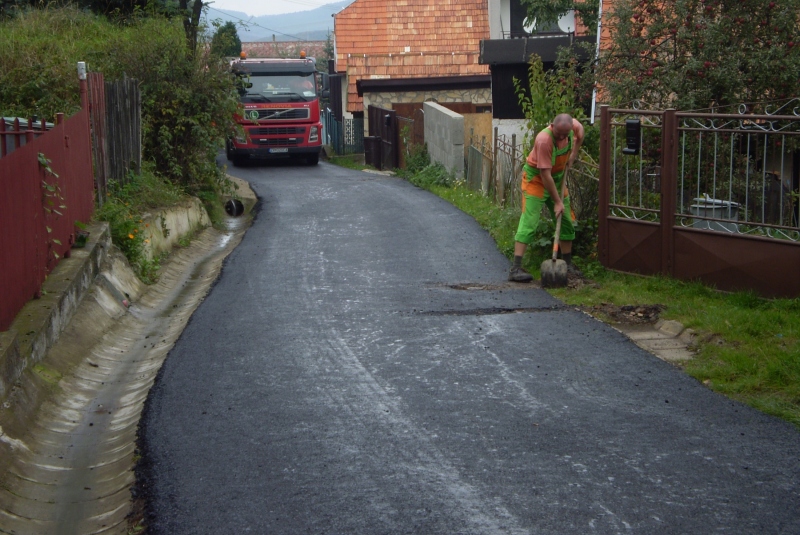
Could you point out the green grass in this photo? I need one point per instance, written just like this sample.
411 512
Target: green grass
748 348
123 208
350 161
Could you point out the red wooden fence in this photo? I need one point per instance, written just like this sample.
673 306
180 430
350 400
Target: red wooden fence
38 209
97 107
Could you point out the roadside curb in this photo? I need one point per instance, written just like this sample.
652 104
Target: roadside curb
40 322
666 339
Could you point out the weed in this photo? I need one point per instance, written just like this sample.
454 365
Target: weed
122 210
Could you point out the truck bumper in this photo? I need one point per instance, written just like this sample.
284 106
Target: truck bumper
272 153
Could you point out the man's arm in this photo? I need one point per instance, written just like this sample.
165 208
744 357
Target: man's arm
550 186
578 133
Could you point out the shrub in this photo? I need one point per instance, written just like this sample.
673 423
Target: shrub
123 208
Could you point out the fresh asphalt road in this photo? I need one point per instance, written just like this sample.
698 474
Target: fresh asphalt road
340 378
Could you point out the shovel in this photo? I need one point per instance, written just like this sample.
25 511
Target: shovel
554 272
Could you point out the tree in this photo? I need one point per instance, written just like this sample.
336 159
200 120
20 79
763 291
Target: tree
700 54
226 41
327 54
191 21
547 12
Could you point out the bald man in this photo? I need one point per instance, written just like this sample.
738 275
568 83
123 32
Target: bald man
554 150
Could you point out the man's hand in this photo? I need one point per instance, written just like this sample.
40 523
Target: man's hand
558 207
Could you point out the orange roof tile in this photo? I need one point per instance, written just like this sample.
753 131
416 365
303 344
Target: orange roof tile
410 38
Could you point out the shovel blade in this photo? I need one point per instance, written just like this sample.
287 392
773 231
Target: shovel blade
554 274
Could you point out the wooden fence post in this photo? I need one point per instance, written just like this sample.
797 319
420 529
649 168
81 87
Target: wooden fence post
495 174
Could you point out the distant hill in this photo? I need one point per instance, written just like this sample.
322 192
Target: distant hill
312 25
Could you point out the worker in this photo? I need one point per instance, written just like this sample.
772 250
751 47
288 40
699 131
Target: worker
554 150
302 86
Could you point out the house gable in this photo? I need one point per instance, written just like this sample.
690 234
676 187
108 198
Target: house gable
377 39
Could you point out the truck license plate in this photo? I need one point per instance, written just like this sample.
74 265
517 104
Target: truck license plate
274 151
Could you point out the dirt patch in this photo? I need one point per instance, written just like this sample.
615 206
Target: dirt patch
628 314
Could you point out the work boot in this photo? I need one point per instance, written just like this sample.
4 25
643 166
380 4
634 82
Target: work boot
517 274
573 271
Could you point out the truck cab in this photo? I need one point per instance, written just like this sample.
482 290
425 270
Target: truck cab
280 110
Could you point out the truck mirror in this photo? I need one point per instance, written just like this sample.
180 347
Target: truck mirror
326 93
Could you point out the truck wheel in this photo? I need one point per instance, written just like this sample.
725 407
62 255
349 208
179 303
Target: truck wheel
237 161
313 160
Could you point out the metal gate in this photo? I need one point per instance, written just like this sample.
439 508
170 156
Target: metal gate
709 197
383 123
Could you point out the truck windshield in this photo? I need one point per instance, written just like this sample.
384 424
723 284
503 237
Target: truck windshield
281 88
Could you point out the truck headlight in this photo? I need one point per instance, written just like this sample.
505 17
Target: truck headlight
314 134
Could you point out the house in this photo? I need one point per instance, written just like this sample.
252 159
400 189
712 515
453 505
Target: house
507 51
399 54
283 49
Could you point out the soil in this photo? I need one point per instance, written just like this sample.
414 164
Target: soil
628 314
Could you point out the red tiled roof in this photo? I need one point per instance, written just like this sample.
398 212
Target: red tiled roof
409 38
360 67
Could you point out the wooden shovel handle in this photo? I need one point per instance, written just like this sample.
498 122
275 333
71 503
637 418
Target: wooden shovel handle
558 219
556 239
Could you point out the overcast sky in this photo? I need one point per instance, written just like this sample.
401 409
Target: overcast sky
268 7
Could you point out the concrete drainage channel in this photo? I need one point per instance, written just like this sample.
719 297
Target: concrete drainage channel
71 467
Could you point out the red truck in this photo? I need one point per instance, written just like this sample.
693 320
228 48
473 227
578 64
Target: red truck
280 112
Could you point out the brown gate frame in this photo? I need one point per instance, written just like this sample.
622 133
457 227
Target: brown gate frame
729 262
383 124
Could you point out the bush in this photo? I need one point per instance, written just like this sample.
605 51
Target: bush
123 208
188 99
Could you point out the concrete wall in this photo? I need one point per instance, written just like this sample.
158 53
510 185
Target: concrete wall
477 126
285 49
444 135
508 127
385 100
167 227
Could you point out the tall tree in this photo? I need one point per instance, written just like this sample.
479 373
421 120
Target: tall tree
698 54
191 21
547 12
225 41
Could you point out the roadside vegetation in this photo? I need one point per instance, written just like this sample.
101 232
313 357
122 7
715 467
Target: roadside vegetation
188 100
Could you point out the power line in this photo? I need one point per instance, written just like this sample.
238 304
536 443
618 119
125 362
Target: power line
257 25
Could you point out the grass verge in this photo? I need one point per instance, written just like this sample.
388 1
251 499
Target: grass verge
122 210
748 348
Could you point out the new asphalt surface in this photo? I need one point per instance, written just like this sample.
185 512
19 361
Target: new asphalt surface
362 367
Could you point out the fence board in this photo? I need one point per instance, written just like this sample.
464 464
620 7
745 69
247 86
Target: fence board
97 114
123 122
28 251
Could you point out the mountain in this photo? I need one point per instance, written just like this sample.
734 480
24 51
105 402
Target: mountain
312 25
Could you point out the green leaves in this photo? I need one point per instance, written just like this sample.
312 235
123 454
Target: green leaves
693 55
547 12
549 93
226 41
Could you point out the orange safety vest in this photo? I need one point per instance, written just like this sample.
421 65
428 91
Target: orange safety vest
531 181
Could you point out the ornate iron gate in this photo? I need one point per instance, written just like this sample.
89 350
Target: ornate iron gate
709 197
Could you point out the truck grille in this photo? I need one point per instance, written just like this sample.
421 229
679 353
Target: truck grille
287 131
279 142
279 114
